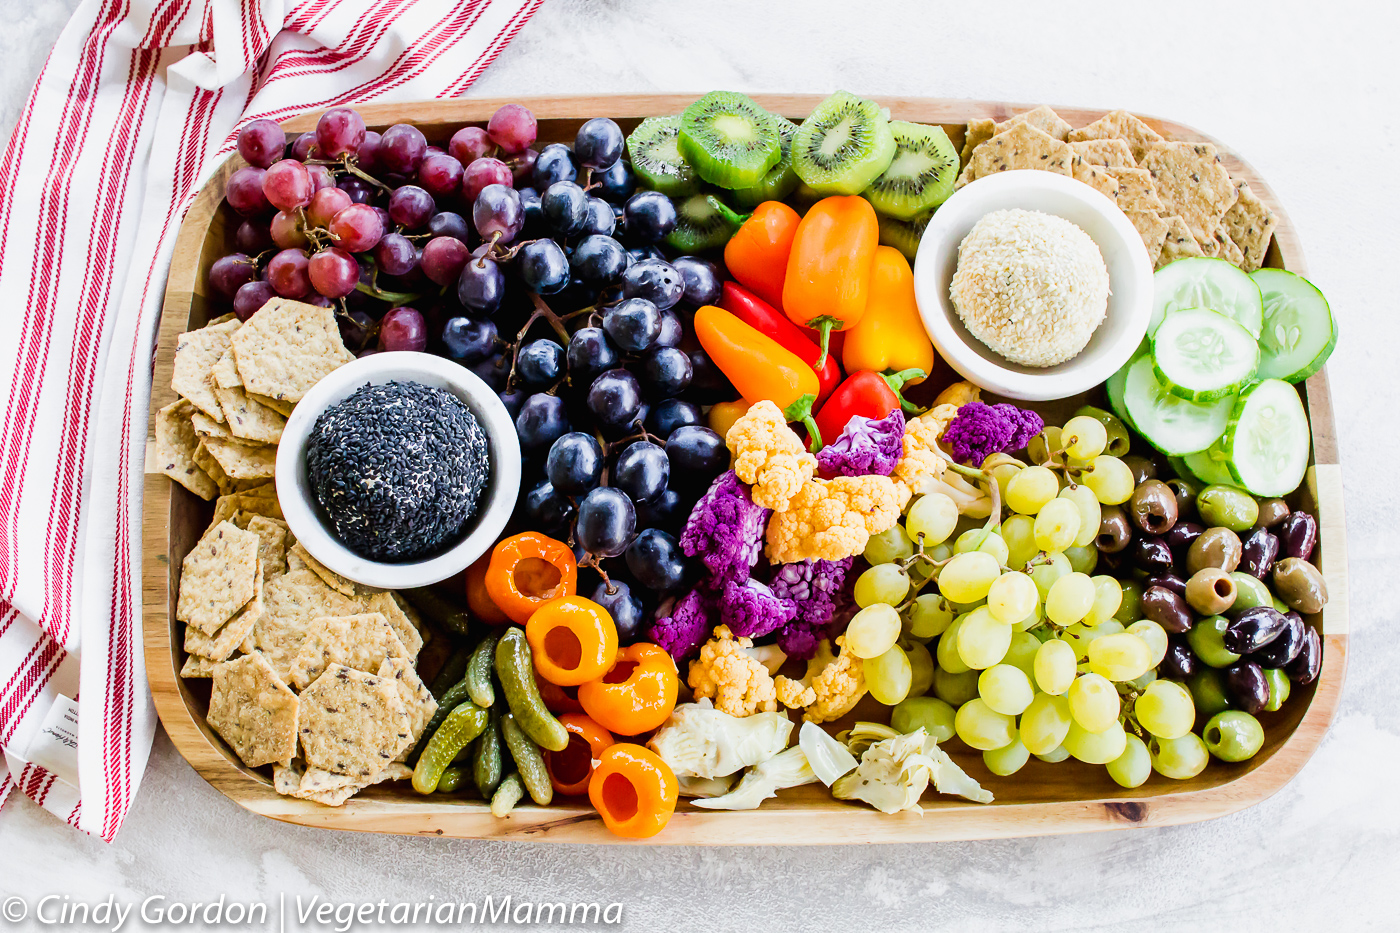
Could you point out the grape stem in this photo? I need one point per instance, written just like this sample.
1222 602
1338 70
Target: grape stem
358 172
395 299
542 311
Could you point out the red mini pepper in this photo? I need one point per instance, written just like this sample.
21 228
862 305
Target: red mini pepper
766 319
870 395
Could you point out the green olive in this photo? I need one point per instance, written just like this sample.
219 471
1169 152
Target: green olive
1118 439
1216 547
1207 688
1279 688
1250 593
1233 735
1130 609
1206 638
1300 585
1210 591
1227 507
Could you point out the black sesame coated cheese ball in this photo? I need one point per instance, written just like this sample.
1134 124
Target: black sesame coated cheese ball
398 469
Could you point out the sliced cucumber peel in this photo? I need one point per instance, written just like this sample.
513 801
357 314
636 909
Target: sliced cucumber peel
1268 439
1202 355
1203 282
1174 425
1299 331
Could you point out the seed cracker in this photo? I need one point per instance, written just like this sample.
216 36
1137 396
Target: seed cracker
287 778
248 501
196 352
231 635
1119 125
1021 147
222 319
1109 153
1153 230
176 443
196 667
272 543
978 132
332 790
1179 243
1096 177
353 723
224 372
332 579
209 465
1220 246
242 461
389 607
249 419
1136 191
217 577
254 711
1192 183
286 347
1251 225
1042 118
293 601
281 406
361 642
416 696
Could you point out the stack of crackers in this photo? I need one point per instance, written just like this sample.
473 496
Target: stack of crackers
1178 195
312 673
238 383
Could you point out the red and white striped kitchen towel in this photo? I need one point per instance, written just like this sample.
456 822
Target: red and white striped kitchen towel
138 101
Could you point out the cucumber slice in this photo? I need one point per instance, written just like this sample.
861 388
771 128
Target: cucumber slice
1268 440
1174 425
1299 332
1114 389
1202 355
1211 466
1203 282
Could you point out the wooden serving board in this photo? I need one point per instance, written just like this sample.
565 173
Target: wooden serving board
1040 799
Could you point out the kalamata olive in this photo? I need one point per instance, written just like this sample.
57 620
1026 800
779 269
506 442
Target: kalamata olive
1246 686
1298 535
1118 564
1170 580
1180 662
1308 663
1253 629
1271 512
1258 550
1153 507
1143 469
1282 650
1166 608
1210 591
1115 531
1185 492
1152 555
1250 593
1228 507
1216 547
1183 534
1300 585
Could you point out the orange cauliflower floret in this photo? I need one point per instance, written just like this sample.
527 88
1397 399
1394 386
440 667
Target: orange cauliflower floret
769 456
922 464
833 519
734 679
831 688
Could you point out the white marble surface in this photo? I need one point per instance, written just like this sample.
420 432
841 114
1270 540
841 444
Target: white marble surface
1308 92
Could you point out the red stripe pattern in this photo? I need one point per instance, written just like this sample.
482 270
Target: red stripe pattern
138 101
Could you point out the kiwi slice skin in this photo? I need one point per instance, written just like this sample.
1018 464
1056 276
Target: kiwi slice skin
903 235
656 157
703 222
921 175
843 145
730 140
780 180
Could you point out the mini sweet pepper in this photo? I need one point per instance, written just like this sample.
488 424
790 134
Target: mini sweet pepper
828 276
890 336
757 254
765 318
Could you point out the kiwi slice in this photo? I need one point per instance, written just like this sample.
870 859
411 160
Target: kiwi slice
731 141
657 159
920 177
843 146
702 222
781 179
903 235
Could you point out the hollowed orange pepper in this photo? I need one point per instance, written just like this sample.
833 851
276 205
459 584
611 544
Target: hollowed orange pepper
572 640
558 699
634 791
571 770
478 600
528 570
890 336
757 254
637 695
828 273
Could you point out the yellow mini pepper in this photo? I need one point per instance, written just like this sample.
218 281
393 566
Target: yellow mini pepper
890 335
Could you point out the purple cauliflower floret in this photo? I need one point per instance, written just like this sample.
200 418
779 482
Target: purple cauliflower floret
979 430
688 626
815 586
751 609
865 446
725 530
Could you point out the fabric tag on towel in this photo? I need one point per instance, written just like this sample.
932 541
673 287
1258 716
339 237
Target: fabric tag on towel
55 746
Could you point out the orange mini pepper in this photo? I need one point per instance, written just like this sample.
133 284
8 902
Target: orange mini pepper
572 640
634 791
528 570
478 600
828 272
571 770
890 336
757 254
558 699
637 695
759 366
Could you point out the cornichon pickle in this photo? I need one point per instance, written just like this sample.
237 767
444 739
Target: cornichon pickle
488 765
463 724
452 671
446 704
517 673
507 795
439 609
529 763
478 673
451 780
